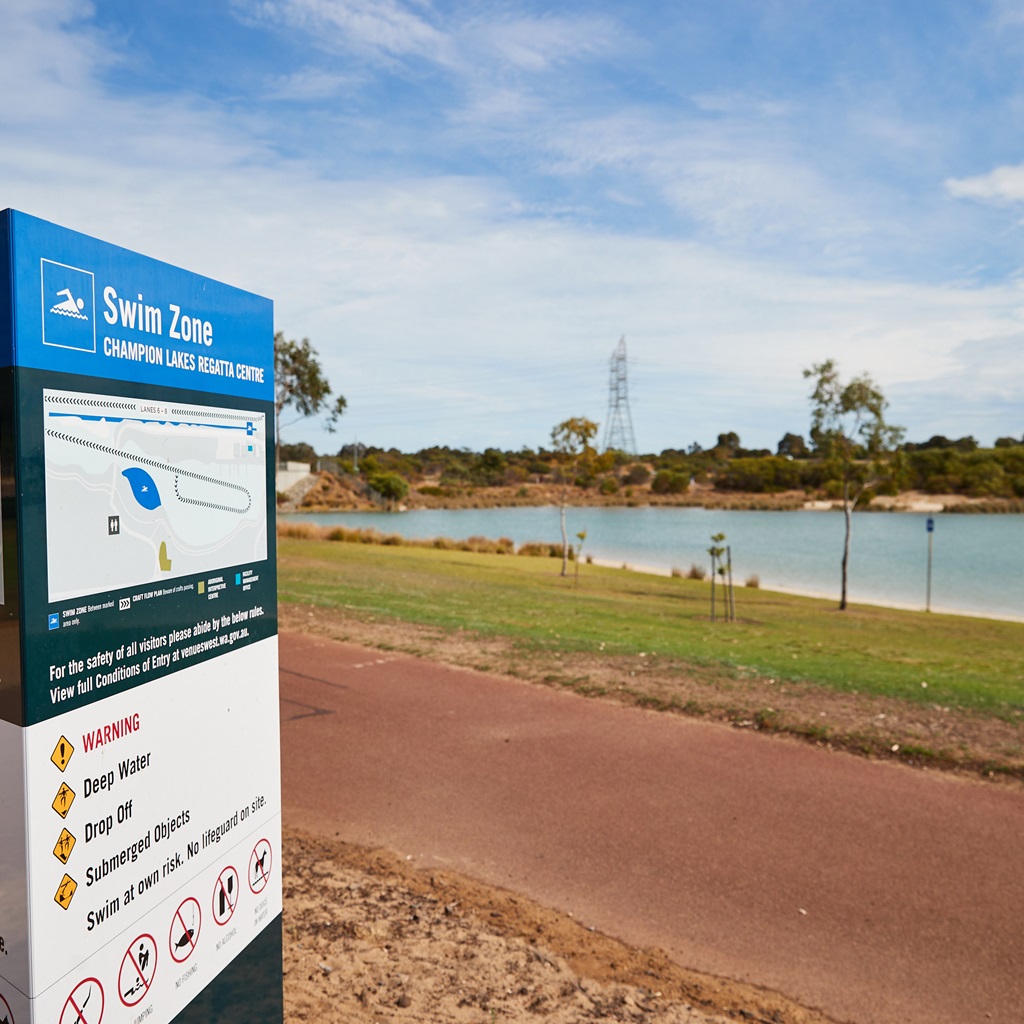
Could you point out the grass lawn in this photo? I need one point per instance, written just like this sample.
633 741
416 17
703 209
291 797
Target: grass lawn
967 663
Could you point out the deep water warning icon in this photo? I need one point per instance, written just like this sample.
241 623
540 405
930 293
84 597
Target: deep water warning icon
63 800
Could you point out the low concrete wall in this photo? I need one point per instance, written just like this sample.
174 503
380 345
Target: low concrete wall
289 474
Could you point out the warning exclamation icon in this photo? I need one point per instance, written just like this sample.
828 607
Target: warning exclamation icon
62 753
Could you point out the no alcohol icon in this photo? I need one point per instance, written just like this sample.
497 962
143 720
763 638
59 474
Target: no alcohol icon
225 895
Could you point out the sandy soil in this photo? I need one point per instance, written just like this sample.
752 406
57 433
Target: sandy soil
369 938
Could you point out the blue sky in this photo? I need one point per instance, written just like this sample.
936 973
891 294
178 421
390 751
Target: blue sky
464 205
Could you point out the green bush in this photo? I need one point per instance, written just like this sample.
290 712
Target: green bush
667 481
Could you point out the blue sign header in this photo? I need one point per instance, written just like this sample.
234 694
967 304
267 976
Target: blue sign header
83 306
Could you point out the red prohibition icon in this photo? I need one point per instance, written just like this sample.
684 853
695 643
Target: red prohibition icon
138 966
259 866
5 1009
225 896
184 935
85 1004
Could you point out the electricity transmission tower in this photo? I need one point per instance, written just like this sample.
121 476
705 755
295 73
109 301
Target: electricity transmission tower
618 425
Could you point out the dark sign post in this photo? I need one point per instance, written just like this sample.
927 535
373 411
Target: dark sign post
930 526
139 718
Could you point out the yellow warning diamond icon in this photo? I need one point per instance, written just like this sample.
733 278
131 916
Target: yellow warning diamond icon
66 843
63 800
65 892
62 753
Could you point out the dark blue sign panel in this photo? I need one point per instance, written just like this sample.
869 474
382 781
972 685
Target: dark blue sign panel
85 307
139 722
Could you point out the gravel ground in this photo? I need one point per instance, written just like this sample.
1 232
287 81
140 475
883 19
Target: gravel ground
369 938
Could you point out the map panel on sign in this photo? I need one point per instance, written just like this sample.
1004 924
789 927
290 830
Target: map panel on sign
139 492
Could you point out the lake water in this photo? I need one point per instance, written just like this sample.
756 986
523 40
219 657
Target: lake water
978 561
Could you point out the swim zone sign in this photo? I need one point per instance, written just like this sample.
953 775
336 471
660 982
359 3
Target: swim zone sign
139 724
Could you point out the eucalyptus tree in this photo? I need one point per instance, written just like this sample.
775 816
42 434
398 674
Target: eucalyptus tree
850 432
299 382
570 440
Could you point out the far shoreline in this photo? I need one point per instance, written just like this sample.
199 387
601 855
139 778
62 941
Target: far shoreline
651 570
325 492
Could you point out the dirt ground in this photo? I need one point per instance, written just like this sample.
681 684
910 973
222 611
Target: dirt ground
928 736
370 938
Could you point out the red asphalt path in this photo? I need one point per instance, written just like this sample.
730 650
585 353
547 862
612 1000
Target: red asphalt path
874 892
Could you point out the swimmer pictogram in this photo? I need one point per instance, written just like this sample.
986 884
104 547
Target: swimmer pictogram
70 306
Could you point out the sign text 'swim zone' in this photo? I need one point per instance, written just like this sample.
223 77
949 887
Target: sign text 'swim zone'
138 315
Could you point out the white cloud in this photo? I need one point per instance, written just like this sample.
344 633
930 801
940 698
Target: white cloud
445 314
311 84
536 44
738 177
381 29
1002 185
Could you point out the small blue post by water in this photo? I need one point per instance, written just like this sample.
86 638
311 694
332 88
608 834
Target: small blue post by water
930 526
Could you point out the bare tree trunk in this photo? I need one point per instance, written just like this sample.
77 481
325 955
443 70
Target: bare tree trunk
732 593
848 518
714 585
565 538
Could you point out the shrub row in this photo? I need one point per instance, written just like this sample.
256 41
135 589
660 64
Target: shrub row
478 545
